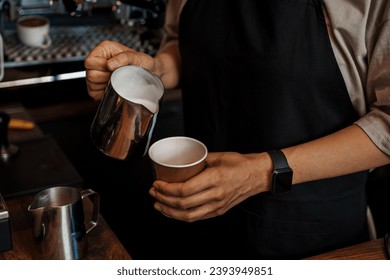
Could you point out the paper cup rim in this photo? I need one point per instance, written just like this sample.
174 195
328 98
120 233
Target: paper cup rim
178 165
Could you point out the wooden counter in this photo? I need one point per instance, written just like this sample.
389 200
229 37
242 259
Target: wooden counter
371 250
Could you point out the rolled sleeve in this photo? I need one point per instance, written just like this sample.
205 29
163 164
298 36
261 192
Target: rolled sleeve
171 25
376 123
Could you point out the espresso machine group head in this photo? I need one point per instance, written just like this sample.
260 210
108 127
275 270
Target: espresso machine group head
140 12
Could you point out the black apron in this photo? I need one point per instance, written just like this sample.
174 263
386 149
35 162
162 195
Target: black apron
259 75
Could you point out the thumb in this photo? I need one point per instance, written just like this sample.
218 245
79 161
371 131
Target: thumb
130 57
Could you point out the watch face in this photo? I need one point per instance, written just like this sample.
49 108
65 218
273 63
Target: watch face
282 180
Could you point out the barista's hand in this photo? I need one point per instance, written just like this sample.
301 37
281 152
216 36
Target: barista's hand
107 57
228 179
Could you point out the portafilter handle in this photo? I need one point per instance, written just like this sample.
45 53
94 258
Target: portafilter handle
7 150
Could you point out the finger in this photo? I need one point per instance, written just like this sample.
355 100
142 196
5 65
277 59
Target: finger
96 95
213 159
97 77
96 86
202 212
108 49
167 188
177 189
130 57
196 184
96 83
206 196
96 63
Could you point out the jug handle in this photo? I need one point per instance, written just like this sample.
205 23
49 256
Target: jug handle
95 198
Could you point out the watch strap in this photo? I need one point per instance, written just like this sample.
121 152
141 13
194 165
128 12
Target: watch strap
279 159
281 178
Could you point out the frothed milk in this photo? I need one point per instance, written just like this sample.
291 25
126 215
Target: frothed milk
137 86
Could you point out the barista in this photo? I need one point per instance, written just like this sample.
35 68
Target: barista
292 99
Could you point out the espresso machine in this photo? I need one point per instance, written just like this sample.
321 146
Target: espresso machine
12 9
126 11
76 27
148 13
71 7
142 12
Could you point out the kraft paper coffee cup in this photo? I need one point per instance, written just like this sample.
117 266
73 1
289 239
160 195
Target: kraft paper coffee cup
177 159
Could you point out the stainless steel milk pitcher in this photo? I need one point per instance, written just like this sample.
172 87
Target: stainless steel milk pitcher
124 122
60 224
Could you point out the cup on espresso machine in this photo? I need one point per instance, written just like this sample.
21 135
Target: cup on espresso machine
33 31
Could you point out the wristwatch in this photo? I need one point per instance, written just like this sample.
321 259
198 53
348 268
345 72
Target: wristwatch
282 174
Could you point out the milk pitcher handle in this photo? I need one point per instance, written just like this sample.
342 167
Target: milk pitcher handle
95 199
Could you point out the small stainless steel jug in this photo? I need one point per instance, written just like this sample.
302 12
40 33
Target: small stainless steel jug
124 122
60 226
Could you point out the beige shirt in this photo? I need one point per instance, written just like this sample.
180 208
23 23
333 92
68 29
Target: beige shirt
360 35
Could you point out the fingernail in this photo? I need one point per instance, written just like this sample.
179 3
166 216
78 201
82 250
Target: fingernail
112 64
157 206
152 192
